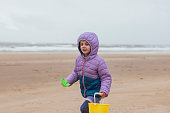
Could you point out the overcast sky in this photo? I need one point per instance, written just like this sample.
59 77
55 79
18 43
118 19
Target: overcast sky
62 21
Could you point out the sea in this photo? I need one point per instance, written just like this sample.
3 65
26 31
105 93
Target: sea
11 47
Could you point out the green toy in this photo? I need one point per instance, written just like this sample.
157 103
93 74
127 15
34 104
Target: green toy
64 83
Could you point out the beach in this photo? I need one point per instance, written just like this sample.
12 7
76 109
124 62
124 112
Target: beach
30 83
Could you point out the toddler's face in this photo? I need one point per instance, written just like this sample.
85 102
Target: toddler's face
85 47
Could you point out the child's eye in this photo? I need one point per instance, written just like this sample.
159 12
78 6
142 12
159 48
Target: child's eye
86 44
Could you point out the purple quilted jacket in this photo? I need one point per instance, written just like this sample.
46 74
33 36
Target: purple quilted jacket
92 71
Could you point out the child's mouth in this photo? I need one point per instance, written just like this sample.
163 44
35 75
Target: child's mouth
84 49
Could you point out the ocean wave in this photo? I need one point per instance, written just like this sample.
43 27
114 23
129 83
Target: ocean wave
58 47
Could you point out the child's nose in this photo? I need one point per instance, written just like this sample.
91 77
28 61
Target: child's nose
83 45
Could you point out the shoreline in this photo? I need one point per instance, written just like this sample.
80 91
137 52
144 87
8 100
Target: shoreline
77 52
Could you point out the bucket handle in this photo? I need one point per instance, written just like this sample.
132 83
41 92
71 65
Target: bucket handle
97 93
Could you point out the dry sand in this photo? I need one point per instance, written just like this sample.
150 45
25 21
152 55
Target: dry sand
30 83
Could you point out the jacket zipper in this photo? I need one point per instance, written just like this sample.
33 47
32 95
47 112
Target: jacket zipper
83 79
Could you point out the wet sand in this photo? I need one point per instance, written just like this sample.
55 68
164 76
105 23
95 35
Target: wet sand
30 83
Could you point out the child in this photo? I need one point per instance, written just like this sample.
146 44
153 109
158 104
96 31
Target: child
91 70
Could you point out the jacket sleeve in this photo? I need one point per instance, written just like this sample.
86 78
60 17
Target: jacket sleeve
73 77
105 77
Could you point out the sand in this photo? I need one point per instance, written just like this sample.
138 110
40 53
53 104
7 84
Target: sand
30 83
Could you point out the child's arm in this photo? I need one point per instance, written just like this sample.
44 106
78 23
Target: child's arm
105 78
70 79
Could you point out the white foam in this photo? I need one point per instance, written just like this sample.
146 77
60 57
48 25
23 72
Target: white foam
114 49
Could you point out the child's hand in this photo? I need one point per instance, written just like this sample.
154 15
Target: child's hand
103 94
64 83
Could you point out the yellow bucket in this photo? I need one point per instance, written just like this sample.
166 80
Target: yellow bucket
98 108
